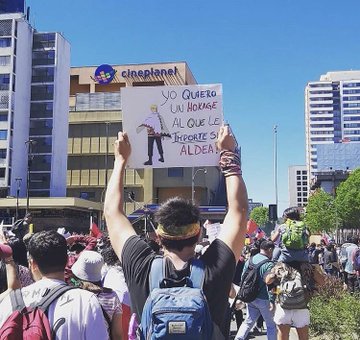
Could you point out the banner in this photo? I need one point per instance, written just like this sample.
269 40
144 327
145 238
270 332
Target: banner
172 126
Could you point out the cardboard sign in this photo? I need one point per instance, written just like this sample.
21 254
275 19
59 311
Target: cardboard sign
172 126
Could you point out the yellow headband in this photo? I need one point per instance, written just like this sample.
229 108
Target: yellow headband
178 233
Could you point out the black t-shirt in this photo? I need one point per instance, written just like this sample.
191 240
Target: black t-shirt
219 262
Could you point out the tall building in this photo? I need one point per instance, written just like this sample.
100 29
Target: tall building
96 117
298 186
34 87
332 122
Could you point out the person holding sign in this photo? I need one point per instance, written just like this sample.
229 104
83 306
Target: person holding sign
156 130
178 231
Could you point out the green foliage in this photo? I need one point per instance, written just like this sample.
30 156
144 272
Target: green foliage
260 215
348 200
320 212
335 313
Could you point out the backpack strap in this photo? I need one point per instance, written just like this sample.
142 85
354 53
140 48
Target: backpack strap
157 272
17 301
52 295
197 273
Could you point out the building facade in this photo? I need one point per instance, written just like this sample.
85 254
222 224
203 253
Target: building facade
94 120
34 87
332 116
298 185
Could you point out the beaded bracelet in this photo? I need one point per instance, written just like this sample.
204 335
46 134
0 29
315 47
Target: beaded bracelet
230 164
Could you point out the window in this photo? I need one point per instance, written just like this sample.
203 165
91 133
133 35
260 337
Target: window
298 177
298 172
2 153
2 172
299 200
298 183
4 82
3 134
3 116
4 60
175 172
299 194
5 42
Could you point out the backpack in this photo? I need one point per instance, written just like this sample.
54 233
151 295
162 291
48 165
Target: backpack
295 236
250 281
176 310
357 260
31 322
291 293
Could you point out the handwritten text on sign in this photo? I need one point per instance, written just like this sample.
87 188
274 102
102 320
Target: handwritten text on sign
189 116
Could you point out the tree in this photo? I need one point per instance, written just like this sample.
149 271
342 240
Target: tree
348 200
260 215
321 212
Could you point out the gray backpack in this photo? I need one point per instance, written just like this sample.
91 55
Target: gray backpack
292 293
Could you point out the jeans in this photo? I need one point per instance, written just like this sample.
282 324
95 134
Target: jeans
253 310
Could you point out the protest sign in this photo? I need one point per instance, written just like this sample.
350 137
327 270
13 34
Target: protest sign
172 126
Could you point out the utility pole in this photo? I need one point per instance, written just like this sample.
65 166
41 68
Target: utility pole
275 168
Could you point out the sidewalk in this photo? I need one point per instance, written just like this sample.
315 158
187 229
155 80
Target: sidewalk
262 336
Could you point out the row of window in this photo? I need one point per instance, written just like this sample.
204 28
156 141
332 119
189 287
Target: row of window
352 118
322 132
320 99
321 139
352 98
351 105
322 125
351 85
304 177
347 112
320 119
352 132
352 125
299 172
321 112
321 105
351 91
301 183
314 85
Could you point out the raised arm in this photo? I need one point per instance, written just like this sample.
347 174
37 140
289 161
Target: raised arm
234 225
119 227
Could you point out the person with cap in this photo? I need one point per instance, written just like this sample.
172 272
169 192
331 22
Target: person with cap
178 231
87 271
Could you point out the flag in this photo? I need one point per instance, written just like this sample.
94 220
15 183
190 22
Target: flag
95 231
259 234
251 226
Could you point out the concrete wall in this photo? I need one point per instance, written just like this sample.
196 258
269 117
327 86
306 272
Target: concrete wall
60 118
21 102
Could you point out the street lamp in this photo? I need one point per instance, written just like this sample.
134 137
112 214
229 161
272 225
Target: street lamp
193 181
29 143
18 185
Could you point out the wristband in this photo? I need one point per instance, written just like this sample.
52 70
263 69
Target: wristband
230 163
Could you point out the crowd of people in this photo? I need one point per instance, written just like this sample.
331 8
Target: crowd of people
119 285
283 261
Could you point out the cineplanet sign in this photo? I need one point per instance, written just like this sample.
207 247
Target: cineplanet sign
150 72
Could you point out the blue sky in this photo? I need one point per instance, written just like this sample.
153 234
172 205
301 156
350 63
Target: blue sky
263 52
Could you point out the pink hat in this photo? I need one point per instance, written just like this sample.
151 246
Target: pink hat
5 251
